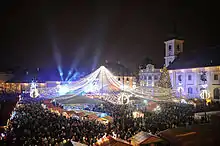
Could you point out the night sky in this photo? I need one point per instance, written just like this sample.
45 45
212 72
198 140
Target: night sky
83 34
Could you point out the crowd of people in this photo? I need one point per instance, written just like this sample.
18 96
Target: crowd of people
170 115
7 103
32 124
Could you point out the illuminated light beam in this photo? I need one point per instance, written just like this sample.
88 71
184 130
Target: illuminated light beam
69 74
60 72
73 76
86 81
58 58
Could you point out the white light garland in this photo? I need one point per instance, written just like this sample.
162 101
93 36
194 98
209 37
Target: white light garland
97 81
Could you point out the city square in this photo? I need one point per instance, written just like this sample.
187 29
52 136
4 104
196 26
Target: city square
108 75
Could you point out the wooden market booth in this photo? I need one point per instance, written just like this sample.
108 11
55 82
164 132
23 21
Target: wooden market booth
146 139
110 141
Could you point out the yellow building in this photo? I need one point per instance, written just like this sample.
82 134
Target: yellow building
127 80
122 74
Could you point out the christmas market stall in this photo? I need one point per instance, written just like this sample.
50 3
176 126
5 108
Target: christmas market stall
111 141
144 138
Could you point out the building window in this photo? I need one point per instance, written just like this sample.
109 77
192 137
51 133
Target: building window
203 77
155 77
127 79
170 48
178 47
215 77
189 77
149 78
119 79
216 93
179 78
190 90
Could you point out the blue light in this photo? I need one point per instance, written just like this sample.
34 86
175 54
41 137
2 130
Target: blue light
74 76
70 72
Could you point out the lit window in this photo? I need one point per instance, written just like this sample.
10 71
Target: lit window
215 77
189 77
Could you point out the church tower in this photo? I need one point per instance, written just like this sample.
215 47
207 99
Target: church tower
173 47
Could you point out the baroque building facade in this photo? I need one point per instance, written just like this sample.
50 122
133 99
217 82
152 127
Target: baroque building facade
197 82
193 74
149 76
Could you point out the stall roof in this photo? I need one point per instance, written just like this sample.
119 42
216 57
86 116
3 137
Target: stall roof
197 135
110 141
144 137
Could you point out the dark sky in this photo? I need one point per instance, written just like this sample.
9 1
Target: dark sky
85 33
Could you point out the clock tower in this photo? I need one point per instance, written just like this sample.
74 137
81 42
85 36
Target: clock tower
173 47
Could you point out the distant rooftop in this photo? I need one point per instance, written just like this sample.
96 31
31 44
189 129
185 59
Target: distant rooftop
197 58
118 69
23 75
174 36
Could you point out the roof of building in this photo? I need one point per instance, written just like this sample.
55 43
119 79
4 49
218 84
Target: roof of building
42 75
110 141
197 58
144 138
118 69
195 135
172 37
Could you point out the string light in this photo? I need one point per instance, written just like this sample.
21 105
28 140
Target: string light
97 82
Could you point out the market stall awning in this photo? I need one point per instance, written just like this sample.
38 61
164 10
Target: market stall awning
144 138
110 141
